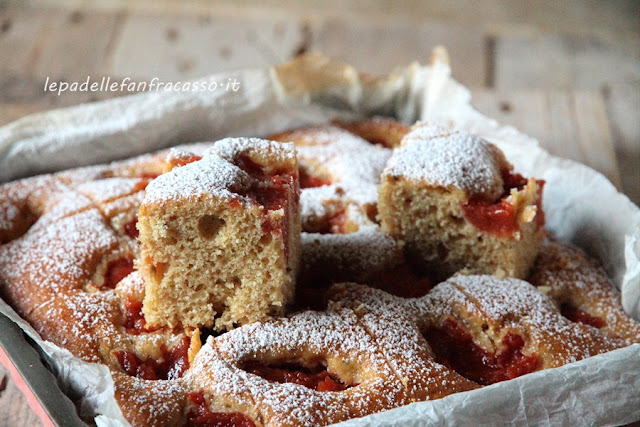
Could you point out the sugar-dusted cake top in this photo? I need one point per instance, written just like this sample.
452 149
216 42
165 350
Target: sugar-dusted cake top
70 269
353 163
212 174
449 158
219 172
278 153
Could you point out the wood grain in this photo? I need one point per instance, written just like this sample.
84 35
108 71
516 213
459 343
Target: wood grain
379 47
65 50
564 62
174 48
594 135
623 108
609 18
570 124
14 409
21 31
565 72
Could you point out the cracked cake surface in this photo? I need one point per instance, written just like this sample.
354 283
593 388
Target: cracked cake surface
321 274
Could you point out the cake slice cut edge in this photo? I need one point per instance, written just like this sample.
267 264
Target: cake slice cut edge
220 236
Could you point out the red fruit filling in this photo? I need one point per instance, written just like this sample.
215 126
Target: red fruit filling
455 349
135 322
201 416
579 316
172 365
499 217
316 379
116 271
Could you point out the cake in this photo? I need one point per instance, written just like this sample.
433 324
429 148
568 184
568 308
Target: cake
339 175
582 290
456 203
220 236
133 265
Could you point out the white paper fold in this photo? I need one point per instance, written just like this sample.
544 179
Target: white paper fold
581 206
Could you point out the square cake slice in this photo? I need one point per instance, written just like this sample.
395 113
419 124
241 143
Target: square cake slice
220 235
455 202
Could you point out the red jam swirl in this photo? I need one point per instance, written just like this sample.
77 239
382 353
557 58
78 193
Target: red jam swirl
311 181
245 163
495 218
402 281
183 161
131 229
116 271
149 175
276 196
337 222
315 379
455 349
273 197
172 365
135 322
576 315
499 218
511 180
201 416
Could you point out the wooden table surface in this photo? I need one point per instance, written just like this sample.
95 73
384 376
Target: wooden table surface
567 73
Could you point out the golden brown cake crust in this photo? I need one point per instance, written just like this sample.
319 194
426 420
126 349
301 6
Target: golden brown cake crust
68 266
581 288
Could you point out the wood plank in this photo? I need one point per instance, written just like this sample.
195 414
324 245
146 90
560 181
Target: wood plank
563 136
594 134
173 48
566 123
564 62
76 45
527 111
379 47
619 18
623 105
21 30
14 409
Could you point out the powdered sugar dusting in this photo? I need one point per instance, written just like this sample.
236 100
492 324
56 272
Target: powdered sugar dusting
212 175
513 304
568 276
277 152
334 337
63 253
106 190
449 159
500 306
368 334
354 164
357 254
316 202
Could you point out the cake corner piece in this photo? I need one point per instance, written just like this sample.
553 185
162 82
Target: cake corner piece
220 235
456 203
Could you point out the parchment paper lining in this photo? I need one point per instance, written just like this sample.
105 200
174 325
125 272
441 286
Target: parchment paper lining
582 206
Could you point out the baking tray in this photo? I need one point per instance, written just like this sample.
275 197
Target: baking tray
22 359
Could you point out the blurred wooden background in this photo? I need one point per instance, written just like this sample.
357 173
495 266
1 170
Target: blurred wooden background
566 72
